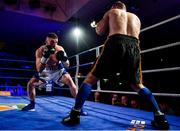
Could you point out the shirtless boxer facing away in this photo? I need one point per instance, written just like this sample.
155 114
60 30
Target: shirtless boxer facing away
120 54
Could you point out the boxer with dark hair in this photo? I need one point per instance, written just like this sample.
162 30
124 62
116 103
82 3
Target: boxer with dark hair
51 64
52 35
119 4
120 54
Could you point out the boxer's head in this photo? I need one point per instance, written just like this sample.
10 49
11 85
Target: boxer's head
119 5
51 39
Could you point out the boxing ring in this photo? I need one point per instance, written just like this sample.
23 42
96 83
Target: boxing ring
51 109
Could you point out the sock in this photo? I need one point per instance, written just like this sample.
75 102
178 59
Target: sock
146 93
82 95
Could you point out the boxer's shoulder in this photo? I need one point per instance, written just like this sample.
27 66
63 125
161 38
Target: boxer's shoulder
59 48
40 49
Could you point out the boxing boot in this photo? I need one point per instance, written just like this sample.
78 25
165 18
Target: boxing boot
73 118
160 122
29 107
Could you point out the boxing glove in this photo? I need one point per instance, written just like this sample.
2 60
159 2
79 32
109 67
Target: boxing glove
61 56
48 50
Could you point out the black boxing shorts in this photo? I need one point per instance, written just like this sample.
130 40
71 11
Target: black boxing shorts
120 54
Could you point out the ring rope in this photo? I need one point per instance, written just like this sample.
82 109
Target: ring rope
80 65
1 86
145 51
160 23
135 93
161 70
8 77
10 60
161 47
4 86
80 77
16 69
151 71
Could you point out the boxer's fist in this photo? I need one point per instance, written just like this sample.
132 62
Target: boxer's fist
48 50
61 56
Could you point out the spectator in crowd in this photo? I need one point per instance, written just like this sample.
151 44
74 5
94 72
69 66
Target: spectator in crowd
114 99
135 104
124 101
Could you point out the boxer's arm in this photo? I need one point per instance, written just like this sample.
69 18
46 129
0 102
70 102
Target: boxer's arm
39 65
47 51
62 56
66 64
102 25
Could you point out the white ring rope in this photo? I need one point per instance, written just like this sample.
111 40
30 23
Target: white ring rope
161 47
150 71
145 51
135 93
161 70
149 50
80 65
160 23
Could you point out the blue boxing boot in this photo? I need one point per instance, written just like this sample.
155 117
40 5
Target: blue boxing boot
74 117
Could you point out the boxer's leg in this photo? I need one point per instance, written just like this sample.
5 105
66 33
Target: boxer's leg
83 93
32 94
